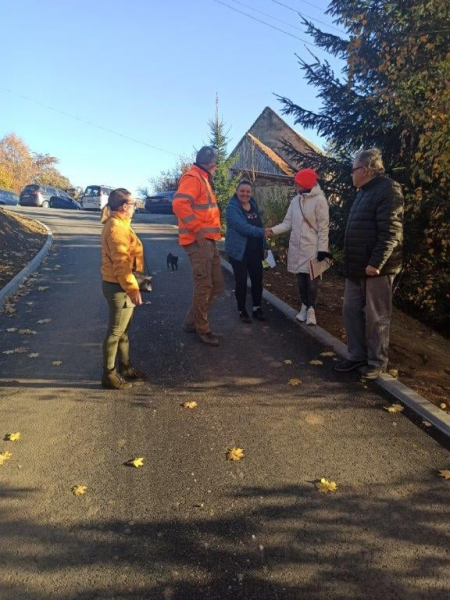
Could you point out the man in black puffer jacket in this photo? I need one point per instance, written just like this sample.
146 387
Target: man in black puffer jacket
372 258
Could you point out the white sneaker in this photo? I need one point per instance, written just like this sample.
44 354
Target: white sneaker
301 316
311 316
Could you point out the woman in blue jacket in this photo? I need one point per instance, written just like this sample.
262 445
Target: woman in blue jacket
245 246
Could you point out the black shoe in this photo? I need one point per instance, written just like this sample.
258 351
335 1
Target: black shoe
245 317
259 315
343 366
371 372
130 372
111 380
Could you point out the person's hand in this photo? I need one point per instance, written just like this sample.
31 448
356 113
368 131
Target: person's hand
268 232
266 254
200 238
371 271
135 297
321 255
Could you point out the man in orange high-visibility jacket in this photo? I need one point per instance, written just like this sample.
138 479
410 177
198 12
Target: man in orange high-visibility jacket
199 227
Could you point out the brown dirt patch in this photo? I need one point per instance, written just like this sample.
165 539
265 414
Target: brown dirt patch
20 241
421 356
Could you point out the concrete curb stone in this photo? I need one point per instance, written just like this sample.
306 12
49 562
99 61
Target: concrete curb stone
12 287
396 390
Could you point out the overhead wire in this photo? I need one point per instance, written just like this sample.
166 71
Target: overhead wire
66 114
302 14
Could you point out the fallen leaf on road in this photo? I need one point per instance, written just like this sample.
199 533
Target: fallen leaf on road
56 363
427 424
315 362
135 462
42 288
324 486
33 355
12 437
27 332
288 361
4 456
20 350
294 381
394 408
79 490
191 404
42 321
8 352
327 354
445 474
393 373
443 406
10 309
235 453
11 329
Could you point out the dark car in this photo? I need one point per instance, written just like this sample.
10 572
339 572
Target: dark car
160 203
8 197
64 201
39 195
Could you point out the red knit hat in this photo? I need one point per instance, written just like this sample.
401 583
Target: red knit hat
306 178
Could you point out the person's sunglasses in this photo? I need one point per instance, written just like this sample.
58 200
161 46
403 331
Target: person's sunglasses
356 169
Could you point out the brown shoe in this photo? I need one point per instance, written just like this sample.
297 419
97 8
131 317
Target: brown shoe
130 372
111 380
209 338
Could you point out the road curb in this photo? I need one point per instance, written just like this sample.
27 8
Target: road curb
395 389
12 287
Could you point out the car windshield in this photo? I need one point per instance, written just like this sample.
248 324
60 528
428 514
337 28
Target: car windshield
30 187
92 190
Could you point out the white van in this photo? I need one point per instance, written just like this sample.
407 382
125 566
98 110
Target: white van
95 197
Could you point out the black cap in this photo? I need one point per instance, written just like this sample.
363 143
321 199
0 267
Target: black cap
206 156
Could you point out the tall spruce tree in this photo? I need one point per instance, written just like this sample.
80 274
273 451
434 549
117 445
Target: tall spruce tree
394 93
224 184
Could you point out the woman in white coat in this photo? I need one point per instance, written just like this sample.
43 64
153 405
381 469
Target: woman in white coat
307 219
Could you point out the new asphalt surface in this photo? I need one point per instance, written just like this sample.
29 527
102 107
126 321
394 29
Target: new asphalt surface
191 524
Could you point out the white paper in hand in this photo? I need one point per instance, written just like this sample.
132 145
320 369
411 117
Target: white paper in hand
316 268
270 260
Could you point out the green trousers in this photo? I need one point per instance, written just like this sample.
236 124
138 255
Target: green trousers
116 343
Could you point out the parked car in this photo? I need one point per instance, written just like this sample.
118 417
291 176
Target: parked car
95 197
8 197
39 195
64 201
160 202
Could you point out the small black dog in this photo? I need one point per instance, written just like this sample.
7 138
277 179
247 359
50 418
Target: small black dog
172 261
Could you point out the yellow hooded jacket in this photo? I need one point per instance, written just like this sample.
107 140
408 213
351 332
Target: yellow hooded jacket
122 252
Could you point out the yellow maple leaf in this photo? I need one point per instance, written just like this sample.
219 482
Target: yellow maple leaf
42 288
315 362
10 309
4 456
235 453
191 404
294 381
394 408
327 353
56 363
135 462
325 485
443 406
288 361
12 437
445 474
42 321
78 490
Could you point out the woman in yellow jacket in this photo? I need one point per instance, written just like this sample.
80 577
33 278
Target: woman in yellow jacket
122 253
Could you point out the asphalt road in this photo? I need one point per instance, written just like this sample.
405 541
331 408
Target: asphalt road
190 524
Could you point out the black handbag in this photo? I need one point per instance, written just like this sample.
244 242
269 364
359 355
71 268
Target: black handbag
145 280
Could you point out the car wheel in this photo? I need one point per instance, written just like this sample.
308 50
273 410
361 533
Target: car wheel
45 204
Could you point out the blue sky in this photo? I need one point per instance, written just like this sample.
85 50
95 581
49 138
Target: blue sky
149 70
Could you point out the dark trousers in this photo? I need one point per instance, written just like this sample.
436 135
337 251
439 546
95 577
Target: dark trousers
116 343
251 266
308 289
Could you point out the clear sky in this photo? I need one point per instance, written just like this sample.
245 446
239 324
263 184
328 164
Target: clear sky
147 69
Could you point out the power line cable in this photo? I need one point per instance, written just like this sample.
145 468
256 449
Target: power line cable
268 24
61 112
302 14
267 15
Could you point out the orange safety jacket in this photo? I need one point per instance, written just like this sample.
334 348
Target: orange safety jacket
196 207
